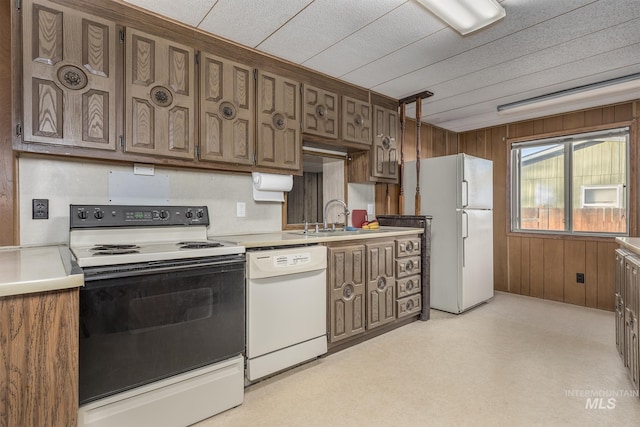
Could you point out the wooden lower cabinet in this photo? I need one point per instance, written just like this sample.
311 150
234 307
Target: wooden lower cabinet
366 296
39 359
620 301
381 289
632 295
346 291
627 308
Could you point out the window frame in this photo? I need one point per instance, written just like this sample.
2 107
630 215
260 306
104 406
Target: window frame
567 141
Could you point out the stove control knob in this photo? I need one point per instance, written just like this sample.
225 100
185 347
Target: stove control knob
82 214
200 213
189 214
98 214
164 214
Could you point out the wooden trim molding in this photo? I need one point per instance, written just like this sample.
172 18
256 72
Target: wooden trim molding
8 234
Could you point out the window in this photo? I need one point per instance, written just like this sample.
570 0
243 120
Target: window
574 184
323 179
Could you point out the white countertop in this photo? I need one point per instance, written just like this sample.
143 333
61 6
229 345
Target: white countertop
295 237
31 269
631 243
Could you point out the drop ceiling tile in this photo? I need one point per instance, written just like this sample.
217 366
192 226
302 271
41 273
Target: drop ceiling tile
379 38
552 32
613 38
321 25
249 22
566 76
191 15
521 14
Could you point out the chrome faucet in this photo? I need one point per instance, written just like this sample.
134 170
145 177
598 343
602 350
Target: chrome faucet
326 207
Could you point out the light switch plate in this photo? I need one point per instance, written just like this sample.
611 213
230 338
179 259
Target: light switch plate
241 209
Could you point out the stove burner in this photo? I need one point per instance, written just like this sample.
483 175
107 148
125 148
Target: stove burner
114 251
117 247
199 245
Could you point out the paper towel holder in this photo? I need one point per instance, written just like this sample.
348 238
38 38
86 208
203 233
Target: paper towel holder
269 187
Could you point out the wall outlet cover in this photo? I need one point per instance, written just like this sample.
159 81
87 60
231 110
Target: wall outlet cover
40 208
241 210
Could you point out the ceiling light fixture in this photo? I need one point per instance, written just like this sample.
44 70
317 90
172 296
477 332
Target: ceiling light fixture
466 16
620 85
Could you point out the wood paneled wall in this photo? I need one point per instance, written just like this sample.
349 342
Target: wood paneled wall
542 266
8 236
434 142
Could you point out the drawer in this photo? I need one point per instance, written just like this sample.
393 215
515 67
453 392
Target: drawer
407 266
409 305
408 247
408 286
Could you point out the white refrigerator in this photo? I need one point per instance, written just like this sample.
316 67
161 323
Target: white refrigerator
457 191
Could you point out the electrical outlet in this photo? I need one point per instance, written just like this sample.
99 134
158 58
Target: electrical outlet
40 209
580 277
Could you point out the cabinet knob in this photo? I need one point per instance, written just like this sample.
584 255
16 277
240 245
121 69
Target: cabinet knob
161 96
409 246
410 305
358 120
347 292
72 77
279 121
409 285
321 111
382 282
409 266
228 110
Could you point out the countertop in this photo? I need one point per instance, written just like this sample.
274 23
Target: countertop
295 237
631 243
31 269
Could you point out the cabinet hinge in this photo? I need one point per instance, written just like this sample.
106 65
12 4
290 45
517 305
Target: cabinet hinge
18 4
197 57
122 142
255 159
197 152
121 36
255 74
19 130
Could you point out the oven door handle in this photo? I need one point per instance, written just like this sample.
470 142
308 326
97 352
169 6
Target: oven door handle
154 267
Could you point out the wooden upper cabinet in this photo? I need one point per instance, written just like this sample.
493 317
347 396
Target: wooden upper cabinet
320 112
384 154
279 139
69 67
159 96
227 111
356 121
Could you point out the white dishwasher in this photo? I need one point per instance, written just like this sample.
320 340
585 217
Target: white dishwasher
286 308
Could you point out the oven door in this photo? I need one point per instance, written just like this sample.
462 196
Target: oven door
142 323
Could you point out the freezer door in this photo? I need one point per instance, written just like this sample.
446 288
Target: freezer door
476 182
476 284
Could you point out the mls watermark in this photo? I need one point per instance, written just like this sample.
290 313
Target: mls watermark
601 399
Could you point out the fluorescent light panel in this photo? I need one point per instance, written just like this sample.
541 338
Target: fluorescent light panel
466 16
580 93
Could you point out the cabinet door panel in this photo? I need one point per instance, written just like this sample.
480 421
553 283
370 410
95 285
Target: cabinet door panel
159 97
68 77
320 112
356 121
381 290
346 291
385 146
279 144
227 99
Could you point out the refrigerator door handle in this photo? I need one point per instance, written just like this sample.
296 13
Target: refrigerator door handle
465 193
465 234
